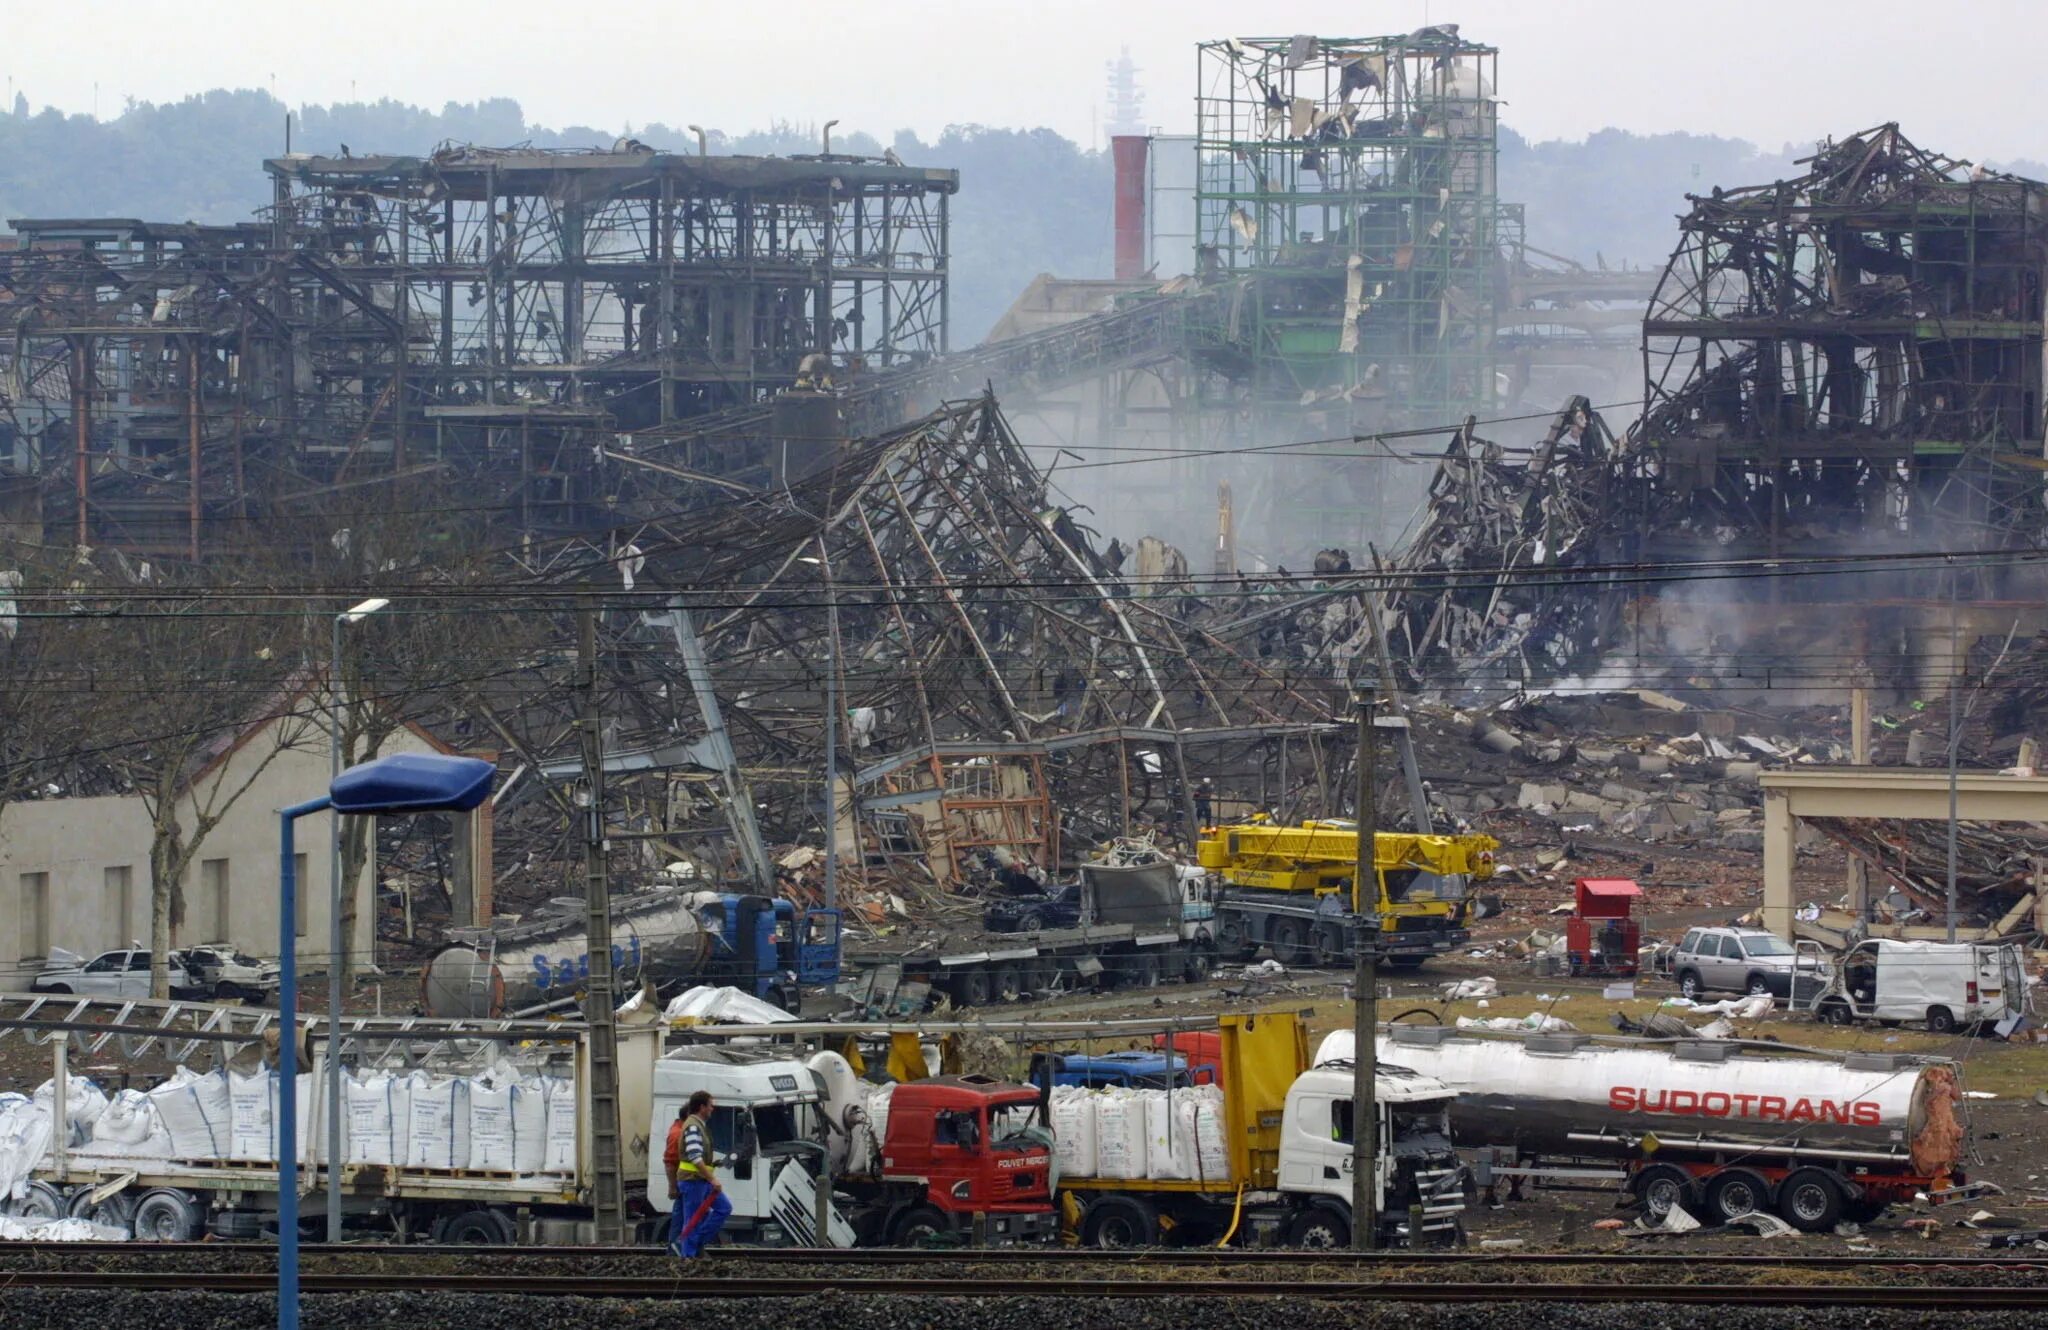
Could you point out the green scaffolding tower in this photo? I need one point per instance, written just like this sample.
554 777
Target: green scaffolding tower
1354 180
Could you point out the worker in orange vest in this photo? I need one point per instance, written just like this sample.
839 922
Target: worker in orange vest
700 1209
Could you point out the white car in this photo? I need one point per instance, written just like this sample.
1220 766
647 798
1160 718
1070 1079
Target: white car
123 973
218 970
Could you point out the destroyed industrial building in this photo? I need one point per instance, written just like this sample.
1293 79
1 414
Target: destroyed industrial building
725 389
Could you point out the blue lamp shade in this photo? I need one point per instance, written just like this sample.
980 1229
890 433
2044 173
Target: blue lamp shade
413 783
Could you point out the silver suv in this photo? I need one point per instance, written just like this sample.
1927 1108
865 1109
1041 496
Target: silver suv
1733 960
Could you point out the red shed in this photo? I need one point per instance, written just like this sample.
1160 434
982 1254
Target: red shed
1602 936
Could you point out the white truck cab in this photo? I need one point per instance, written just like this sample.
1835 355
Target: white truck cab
1417 1165
1948 985
765 1131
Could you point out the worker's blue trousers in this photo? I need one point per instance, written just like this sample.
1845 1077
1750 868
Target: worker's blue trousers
696 1217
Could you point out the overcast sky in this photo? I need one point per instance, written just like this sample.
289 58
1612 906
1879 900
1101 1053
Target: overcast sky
1960 75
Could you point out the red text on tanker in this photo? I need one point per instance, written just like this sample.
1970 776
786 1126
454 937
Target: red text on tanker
1757 1107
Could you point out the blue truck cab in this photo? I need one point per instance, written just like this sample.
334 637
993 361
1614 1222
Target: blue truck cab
1136 1069
770 948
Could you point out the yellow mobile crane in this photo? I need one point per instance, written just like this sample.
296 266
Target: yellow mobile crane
1290 887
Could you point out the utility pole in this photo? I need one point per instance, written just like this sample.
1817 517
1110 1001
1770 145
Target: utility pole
600 1005
1365 899
832 706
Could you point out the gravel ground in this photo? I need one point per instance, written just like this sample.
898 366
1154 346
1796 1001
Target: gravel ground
30 1309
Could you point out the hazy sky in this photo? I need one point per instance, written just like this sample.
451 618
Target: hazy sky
1959 75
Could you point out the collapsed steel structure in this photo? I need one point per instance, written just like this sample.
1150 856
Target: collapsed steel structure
495 313
1006 689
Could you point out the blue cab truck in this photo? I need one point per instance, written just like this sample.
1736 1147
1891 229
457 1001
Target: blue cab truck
767 946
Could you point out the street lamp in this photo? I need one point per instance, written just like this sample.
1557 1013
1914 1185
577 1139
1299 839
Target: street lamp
337 945
401 783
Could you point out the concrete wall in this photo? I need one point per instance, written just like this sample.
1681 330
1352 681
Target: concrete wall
61 861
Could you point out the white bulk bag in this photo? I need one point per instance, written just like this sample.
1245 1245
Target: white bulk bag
438 1122
1119 1135
24 1139
379 1118
129 1120
197 1112
252 1129
1170 1146
1199 1116
83 1104
1073 1131
507 1123
559 1156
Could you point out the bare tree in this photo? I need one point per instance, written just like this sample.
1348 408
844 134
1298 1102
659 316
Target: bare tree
191 679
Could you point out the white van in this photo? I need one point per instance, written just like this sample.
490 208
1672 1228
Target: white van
1949 985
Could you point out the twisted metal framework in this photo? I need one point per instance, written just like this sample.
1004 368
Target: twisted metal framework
495 313
1854 354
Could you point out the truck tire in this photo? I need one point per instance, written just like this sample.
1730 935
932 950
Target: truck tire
1940 1020
1116 1223
1811 1200
1736 1192
1408 962
1836 1012
117 1211
1141 970
1689 985
1320 1228
39 1201
1663 1188
1328 943
1290 942
1201 961
970 987
235 1225
167 1215
1234 937
1006 983
484 1227
916 1226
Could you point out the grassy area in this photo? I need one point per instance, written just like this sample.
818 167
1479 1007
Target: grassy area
2009 1070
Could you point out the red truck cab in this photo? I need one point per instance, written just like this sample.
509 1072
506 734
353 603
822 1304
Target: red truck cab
968 1156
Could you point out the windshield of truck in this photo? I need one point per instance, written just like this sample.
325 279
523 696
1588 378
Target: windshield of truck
1766 946
1421 1127
1012 1124
1416 884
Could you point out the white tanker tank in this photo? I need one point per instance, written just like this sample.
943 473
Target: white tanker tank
1874 1128
531 962
1564 1094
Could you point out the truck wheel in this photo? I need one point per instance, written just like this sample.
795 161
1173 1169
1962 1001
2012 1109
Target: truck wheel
1141 970
39 1201
1201 960
1235 938
1289 942
1320 1229
1940 1020
970 988
1689 985
1663 1188
1007 984
1329 945
1405 962
917 1226
1735 1193
165 1215
1836 1012
235 1225
1811 1200
117 1211
478 1228
1120 1222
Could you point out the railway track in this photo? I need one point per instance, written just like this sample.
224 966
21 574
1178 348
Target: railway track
697 1288
1052 1257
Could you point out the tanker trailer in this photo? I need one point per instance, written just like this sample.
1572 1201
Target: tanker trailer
1712 1126
520 965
